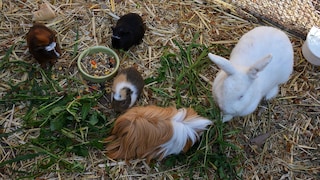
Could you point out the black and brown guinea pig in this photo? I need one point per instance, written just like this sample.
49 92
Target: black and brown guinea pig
43 45
128 31
126 89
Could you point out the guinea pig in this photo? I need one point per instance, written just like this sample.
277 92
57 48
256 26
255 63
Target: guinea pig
259 63
43 45
126 89
154 132
128 31
123 105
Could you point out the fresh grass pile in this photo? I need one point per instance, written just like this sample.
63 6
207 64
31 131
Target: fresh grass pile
179 81
59 122
63 123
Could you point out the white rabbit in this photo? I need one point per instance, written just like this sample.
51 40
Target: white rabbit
262 59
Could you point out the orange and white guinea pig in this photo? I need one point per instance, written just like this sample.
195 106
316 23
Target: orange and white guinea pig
154 132
42 44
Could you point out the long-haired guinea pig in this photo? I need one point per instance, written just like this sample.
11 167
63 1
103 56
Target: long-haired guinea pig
128 31
154 132
126 89
43 45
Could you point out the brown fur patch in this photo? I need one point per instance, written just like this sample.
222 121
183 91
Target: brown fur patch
39 35
187 146
139 132
43 37
119 78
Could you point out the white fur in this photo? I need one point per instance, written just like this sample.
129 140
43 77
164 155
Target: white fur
262 59
184 129
120 86
116 37
51 47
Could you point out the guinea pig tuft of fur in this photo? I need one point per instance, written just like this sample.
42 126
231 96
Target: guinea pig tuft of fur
43 45
128 31
154 132
126 89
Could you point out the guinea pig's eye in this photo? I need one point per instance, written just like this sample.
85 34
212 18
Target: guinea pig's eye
128 91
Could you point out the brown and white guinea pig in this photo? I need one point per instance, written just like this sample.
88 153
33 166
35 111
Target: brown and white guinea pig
126 89
128 31
121 106
43 45
154 132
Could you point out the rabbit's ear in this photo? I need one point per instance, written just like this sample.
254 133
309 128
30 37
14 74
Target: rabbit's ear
223 64
259 66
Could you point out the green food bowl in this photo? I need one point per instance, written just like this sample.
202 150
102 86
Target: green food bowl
84 61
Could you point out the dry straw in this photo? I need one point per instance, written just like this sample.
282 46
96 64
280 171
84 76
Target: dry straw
291 152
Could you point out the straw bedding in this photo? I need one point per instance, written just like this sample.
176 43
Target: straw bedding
292 119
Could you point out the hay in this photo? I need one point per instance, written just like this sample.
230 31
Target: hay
292 151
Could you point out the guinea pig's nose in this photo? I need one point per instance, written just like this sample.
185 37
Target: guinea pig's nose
117 97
